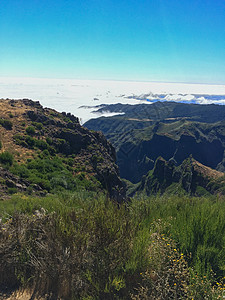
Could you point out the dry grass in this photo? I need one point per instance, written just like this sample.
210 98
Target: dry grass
206 171
17 111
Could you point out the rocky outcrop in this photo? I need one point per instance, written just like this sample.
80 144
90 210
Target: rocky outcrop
189 176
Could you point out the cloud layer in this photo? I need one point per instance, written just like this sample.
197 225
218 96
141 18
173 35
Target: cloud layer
80 96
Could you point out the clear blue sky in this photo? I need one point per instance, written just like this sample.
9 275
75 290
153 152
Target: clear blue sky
152 40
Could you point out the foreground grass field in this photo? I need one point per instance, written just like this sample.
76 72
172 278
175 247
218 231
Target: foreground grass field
84 246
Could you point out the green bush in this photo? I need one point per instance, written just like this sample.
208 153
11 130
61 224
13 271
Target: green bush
41 144
30 141
37 125
7 124
49 141
18 138
196 224
30 130
6 158
20 170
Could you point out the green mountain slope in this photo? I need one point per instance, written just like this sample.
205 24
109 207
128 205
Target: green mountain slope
46 150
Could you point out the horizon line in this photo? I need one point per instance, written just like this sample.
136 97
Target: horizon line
116 80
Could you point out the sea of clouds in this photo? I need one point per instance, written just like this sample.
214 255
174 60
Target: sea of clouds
80 97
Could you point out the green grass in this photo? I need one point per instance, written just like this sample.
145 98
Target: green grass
87 247
53 174
196 224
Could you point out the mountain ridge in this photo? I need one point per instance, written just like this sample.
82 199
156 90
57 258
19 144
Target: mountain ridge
190 177
45 135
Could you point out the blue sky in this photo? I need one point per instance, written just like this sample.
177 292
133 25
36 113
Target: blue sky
147 40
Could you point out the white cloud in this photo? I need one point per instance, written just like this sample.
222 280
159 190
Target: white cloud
179 97
68 94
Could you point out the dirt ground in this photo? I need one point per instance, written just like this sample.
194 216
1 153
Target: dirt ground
23 295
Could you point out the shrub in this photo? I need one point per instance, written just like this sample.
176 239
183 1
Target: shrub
30 130
49 140
7 124
41 144
37 125
18 139
197 225
97 159
0 145
167 274
20 170
79 254
30 141
6 158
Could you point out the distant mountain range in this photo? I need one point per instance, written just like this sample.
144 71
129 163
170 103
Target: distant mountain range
167 129
164 111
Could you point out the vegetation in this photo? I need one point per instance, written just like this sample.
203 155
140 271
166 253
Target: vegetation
6 158
30 130
51 173
38 126
61 153
63 237
86 247
7 124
